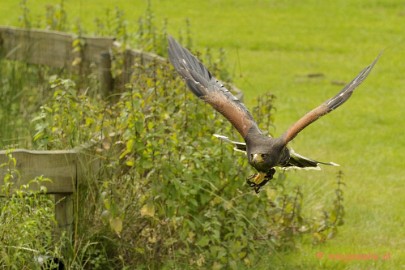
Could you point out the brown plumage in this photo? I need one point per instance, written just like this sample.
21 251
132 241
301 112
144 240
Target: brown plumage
263 152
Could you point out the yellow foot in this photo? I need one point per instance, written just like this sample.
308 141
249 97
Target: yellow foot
258 180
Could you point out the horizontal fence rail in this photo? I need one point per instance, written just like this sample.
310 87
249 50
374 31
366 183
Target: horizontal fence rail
62 50
59 165
50 48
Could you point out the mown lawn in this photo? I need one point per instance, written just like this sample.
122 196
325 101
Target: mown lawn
272 46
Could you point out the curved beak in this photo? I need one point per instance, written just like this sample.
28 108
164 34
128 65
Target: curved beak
257 158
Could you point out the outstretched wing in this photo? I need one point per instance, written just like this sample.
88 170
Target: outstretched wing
329 105
206 87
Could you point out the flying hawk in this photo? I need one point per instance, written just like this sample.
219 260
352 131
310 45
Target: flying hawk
263 152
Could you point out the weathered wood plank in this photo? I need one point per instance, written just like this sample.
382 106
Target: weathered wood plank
64 215
51 48
36 47
59 166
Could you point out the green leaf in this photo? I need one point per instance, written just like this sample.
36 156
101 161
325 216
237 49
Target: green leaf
203 242
116 225
148 210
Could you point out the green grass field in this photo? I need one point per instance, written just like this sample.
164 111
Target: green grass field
272 46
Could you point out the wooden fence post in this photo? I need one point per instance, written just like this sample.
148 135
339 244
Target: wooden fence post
106 79
64 215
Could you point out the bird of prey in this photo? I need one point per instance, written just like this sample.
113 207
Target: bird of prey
263 152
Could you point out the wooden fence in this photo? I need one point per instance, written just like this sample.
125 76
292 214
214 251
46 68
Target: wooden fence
57 49
62 50
77 54
63 168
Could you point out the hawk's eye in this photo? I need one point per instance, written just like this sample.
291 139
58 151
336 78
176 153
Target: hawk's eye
264 156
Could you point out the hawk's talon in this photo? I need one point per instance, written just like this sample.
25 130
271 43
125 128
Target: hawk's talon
251 184
254 177
257 180
257 188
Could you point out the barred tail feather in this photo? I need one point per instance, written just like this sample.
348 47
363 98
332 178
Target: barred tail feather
300 162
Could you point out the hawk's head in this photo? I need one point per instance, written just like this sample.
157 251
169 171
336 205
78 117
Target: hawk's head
265 156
